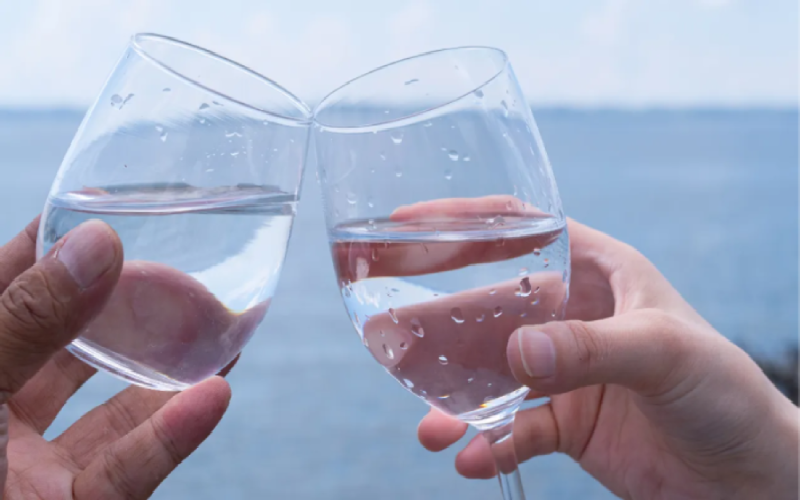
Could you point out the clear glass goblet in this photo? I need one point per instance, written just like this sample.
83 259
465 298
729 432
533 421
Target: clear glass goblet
195 161
446 229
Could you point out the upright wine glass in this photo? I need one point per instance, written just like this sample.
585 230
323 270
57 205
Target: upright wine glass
196 162
446 229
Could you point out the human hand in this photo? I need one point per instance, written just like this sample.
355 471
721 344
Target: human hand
645 395
121 449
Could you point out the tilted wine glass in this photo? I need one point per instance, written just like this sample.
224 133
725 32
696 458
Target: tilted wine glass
446 229
196 162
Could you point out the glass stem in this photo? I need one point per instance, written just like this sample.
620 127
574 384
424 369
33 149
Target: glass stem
505 459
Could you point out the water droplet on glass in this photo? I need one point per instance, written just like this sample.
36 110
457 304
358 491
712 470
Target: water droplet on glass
235 154
370 203
372 225
232 134
116 99
523 271
366 341
209 170
537 252
166 89
397 137
403 346
498 311
470 380
216 103
375 258
496 221
416 328
564 276
524 287
412 81
536 290
535 302
159 128
448 174
453 154
398 172
478 93
523 315
383 334
346 292
546 263
203 106
382 155
466 158
553 314
202 120
457 315
352 198
388 351
163 136
393 315
428 124
408 383
443 359
492 291
505 108
480 318
489 384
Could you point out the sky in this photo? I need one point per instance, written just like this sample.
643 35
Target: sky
582 53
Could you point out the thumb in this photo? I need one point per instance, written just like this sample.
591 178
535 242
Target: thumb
45 307
647 351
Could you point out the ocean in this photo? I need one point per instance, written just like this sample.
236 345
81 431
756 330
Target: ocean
710 196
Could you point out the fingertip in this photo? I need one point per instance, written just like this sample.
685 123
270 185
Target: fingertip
199 408
475 460
531 354
437 431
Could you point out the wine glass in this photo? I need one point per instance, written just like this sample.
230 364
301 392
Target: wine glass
195 161
446 229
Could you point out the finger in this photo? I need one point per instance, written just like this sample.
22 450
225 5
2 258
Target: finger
134 466
535 434
38 402
485 206
116 417
45 307
646 351
393 258
18 254
437 431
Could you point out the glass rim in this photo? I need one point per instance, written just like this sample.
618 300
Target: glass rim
135 42
416 114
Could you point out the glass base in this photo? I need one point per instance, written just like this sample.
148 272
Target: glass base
501 410
123 368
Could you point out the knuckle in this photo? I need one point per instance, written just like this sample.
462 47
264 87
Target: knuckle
673 334
164 437
34 302
119 417
589 346
116 475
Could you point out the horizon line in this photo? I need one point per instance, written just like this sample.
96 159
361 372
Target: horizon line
627 108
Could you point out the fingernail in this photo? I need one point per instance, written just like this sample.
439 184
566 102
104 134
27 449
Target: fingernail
87 253
537 352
